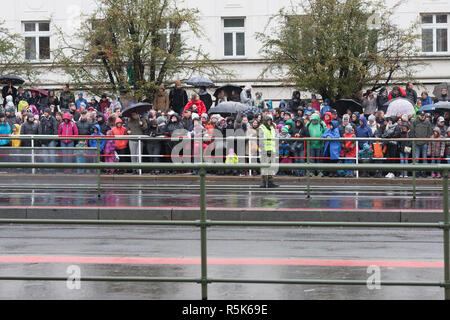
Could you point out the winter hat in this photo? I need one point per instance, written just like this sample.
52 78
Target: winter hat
366 147
47 110
441 119
2 115
345 117
195 116
349 129
285 129
437 129
372 118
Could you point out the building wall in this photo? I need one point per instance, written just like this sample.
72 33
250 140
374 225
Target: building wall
66 14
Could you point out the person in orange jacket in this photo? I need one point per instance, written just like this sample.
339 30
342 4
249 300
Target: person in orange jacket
121 145
379 149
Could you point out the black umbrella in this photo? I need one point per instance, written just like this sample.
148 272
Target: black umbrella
200 82
342 105
228 88
139 108
229 107
14 79
437 89
442 106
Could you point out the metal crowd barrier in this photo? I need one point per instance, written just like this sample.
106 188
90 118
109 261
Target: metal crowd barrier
202 158
204 223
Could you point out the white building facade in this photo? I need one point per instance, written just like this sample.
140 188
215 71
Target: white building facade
230 27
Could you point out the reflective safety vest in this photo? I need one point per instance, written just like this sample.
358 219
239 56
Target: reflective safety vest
269 136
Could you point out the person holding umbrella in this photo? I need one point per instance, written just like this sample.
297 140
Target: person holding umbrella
9 90
205 97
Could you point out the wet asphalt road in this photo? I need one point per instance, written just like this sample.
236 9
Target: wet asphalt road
269 250
171 196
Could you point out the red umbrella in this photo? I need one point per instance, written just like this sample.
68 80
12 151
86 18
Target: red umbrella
43 92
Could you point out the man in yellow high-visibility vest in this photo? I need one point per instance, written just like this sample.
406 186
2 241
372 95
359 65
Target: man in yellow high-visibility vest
268 147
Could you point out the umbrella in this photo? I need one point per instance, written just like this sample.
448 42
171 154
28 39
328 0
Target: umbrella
43 92
15 80
139 108
228 108
228 88
442 106
200 82
342 105
428 108
399 107
437 89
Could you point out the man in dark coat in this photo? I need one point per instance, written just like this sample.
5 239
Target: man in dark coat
411 94
66 98
29 127
178 98
205 97
84 125
295 102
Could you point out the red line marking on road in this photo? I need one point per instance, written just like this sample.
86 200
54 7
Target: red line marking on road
226 208
222 261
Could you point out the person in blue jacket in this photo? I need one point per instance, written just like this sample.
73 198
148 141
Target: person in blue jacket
363 131
97 132
332 149
326 107
5 130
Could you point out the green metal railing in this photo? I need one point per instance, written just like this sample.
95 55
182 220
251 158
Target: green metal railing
203 223
142 139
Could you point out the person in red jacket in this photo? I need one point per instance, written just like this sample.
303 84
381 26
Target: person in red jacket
121 145
196 105
396 92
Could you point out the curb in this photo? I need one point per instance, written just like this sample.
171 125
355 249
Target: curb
223 214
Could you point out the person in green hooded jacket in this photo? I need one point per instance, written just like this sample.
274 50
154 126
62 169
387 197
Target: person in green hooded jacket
316 129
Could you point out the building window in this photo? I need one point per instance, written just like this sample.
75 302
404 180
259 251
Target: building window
234 37
170 39
37 40
435 33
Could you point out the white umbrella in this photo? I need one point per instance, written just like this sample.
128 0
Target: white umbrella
400 107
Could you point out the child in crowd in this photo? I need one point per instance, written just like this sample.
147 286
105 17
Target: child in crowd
436 150
110 152
365 156
231 158
379 149
348 150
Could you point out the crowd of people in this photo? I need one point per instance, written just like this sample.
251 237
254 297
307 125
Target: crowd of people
34 113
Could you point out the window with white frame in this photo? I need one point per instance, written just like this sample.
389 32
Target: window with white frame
170 38
37 40
435 32
234 37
